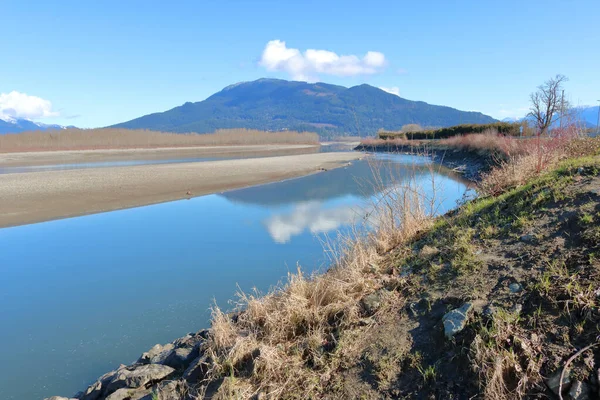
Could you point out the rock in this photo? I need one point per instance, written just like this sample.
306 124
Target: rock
455 320
156 354
130 394
579 391
515 287
371 302
59 398
181 358
98 388
528 238
553 381
169 390
138 376
197 369
516 309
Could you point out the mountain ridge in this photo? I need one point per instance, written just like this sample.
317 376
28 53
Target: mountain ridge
276 104
17 125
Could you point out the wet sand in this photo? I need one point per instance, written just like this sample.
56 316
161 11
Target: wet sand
41 196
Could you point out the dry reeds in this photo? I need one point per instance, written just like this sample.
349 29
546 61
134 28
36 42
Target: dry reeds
115 138
289 342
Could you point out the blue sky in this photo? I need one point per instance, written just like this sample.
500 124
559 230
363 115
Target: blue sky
98 63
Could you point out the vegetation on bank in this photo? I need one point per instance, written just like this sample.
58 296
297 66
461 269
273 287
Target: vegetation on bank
119 138
520 262
504 128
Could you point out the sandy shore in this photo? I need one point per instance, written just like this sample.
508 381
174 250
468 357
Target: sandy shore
42 196
163 153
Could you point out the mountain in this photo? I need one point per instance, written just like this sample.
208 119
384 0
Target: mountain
273 104
589 115
16 125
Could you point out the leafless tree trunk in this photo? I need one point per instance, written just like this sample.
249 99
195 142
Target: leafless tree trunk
546 102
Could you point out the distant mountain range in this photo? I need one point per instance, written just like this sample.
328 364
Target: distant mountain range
16 125
274 105
587 115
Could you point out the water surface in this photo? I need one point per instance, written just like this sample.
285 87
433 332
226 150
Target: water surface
79 296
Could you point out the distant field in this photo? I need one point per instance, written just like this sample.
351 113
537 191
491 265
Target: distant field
118 138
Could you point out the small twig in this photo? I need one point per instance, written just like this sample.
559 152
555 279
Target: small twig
562 374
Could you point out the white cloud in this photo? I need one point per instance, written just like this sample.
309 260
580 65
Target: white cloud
393 90
308 65
21 105
515 113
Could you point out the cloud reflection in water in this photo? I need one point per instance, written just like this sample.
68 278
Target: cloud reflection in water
311 216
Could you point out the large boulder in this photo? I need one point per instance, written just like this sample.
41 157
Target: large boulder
130 394
59 398
198 369
157 354
140 376
181 358
133 377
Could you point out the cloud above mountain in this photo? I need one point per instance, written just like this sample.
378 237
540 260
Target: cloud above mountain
393 90
16 105
308 65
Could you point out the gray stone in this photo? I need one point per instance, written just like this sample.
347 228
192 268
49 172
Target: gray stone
372 302
136 377
98 388
181 358
59 398
553 381
528 238
168 390
130 394
156 353
515 287
517 308
197 369
455 320
579 391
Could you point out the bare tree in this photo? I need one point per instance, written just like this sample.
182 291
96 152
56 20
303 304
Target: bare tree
547 102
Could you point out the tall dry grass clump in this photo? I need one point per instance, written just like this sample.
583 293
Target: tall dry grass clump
290 342
115 138
488 142
526 158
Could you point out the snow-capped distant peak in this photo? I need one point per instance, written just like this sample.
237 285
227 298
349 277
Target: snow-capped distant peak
8 118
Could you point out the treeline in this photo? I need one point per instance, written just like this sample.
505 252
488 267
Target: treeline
505 128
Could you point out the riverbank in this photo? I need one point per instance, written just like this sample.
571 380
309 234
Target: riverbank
41 196
470 164
497 299
54 157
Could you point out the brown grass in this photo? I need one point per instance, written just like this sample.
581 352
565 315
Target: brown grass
115 138
487 142
526 158
290 342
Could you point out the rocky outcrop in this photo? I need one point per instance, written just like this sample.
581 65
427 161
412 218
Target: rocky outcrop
159 370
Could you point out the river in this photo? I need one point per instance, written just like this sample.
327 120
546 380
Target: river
79 296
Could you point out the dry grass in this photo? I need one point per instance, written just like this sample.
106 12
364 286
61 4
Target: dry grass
114 138
488 142
527 158
290 342
504 356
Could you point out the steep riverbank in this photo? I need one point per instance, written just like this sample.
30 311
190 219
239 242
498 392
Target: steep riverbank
41 196
498 299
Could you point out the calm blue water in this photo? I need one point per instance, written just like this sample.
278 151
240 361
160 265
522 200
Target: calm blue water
80 296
